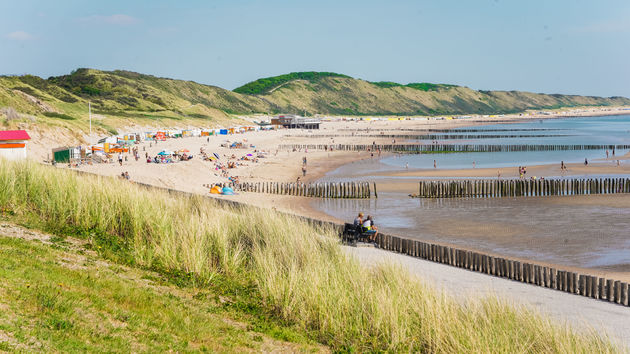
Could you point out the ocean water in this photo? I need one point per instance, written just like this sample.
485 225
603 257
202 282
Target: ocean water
575 131
549 229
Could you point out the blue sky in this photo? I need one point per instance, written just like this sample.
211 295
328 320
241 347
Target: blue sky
572 46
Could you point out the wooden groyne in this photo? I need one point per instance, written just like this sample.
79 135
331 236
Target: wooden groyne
357 190
576 283
446 148
489 188
429 136
456 130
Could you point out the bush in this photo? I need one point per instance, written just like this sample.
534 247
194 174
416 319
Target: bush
59 115
264 85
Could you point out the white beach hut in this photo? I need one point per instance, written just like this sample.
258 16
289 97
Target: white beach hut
13 144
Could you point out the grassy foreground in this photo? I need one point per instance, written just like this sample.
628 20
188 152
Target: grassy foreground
57 295
301 273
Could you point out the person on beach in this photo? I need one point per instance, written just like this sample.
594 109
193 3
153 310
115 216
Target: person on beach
434 164
370 228
358 221
303 171
120 158
304 161
606 153
473 164
585 162
562 166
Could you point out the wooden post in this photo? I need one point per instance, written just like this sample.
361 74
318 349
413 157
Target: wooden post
609 288
624 294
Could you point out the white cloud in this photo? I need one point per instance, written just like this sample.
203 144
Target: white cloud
118 19
20 36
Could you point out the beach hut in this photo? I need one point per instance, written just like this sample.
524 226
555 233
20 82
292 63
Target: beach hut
66 154
13 144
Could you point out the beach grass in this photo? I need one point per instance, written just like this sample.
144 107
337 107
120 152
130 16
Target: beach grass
301 274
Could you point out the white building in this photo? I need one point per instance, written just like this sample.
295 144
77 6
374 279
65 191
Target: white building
13 144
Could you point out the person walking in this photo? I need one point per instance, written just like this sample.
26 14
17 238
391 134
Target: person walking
120 158
303 171
434 164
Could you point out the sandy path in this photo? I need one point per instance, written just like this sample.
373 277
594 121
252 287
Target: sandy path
578 311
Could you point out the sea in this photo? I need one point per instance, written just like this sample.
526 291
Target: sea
573 231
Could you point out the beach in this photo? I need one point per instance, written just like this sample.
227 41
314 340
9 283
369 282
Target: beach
492 231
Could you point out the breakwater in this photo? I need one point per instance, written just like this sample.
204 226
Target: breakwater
490 188
571 282
358 190
446 148
457 130
430 136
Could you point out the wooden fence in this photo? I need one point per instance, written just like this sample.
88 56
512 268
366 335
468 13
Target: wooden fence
487 188
595 287
439 148
321 190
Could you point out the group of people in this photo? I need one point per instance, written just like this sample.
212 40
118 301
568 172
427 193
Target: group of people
367 225
522 171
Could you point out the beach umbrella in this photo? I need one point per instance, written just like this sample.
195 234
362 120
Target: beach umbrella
250 155
216 155
165 152
184 150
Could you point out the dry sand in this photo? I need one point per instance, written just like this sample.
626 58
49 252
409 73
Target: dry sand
580 312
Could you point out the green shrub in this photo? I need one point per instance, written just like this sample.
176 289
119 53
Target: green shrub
59 115
264 85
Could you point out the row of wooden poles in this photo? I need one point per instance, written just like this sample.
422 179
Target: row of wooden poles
572 282
457 130
430 136
359 190
487 188
436 148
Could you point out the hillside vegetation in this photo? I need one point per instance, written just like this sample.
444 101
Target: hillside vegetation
121 98
300 273
265 85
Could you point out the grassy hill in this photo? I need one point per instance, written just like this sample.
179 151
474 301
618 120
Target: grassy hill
121 98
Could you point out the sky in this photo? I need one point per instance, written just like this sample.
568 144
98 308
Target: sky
560 46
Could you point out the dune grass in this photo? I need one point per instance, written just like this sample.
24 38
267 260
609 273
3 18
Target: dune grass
300 272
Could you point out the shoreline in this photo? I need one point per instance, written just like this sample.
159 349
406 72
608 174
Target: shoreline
285 166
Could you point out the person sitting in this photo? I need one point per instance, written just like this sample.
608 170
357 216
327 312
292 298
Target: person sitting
358 221
370 228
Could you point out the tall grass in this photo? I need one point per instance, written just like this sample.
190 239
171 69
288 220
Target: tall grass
301 272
